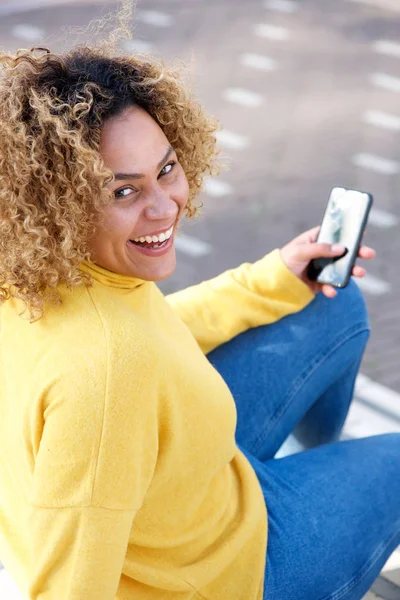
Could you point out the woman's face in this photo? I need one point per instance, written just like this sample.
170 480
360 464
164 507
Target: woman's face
150 192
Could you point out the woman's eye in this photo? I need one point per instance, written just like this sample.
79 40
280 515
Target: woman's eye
127 191
171 165
124 192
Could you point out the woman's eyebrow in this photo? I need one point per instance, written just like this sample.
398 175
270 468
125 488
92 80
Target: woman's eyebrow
119 176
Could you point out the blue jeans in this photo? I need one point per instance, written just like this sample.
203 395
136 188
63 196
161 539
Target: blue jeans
333 508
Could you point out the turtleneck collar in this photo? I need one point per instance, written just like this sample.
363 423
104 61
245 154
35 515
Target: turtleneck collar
110 278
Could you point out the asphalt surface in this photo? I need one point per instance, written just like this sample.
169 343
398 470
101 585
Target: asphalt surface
327 91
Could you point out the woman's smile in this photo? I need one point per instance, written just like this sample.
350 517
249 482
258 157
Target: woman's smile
157 236
156 248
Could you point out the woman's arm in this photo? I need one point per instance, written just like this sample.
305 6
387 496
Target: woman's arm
95 460
250 295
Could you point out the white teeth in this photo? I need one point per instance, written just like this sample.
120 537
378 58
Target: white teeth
155 238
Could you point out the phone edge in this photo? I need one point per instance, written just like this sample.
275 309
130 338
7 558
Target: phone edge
357 246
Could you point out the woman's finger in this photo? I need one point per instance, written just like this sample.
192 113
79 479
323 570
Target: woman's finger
328 291
366 252
359 271
313 233
306 252
308 236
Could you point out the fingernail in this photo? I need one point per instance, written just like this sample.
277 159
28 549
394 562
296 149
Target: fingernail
338 248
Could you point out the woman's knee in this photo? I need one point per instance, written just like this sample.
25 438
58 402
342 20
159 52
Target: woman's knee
379 455
348 309
388 445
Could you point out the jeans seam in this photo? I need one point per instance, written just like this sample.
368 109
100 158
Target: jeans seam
302 378
351 584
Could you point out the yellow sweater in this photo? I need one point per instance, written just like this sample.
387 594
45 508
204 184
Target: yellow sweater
119 472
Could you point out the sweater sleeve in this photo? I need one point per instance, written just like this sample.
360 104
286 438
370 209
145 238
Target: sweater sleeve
253 294
95 459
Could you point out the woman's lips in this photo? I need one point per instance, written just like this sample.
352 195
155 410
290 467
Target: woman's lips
153 251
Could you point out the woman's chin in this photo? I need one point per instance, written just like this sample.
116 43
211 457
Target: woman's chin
164 268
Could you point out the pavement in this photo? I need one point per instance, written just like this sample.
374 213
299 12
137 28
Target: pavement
307 93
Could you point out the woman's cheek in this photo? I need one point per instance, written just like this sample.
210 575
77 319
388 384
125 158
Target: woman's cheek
183 188
123 221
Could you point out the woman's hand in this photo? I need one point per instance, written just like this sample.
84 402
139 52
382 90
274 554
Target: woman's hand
298 253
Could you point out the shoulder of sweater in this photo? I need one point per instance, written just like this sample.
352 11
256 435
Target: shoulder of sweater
85 326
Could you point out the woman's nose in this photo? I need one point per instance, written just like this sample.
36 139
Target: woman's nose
160 206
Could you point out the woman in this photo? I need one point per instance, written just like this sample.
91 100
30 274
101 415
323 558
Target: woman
138 432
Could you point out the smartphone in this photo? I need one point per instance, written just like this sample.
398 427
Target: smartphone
344 222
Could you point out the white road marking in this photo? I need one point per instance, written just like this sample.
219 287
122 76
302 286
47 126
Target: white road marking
368 419
383 4
393 563
217 188
272 32
376 163
385 81
373 285
243 97
382 218
29 33
133 46
258 61
363 421
387 47
378 394
228 139
154 17
192 246
285 6
290 446
382 119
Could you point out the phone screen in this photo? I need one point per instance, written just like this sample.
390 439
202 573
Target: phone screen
343 223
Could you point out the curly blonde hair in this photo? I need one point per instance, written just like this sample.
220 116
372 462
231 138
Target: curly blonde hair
52 177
